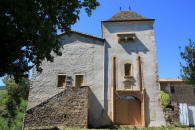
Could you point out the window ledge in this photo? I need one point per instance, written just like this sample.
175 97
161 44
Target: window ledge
128 77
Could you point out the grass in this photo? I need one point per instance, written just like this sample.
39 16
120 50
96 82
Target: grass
118 128
159 128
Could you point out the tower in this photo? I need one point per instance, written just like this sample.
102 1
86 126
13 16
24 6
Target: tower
132 70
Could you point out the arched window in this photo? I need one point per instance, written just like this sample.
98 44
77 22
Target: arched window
127 69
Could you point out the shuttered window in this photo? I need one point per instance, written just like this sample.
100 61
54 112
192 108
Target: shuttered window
62 81
126 37
79 80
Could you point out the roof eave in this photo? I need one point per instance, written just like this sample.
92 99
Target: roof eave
84 34
170 80
132 20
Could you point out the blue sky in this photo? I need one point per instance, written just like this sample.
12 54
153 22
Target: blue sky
175 23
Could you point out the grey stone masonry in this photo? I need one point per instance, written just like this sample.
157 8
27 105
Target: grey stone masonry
92 57
171 113
67 108
183 93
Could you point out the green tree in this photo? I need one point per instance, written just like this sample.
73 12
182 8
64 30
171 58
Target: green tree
28 30
165 99
188 67
14 100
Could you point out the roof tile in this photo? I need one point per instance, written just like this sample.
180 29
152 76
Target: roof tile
126 15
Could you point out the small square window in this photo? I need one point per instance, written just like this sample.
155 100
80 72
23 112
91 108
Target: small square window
79 80
172 89
62 81
127 69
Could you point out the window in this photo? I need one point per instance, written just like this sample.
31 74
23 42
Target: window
62 80
79 80
194 90
68 81
172 89
128 69
126 37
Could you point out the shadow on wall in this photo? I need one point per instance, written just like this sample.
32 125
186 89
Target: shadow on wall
106 56
128 27
128 48
97 115
147 109
136 46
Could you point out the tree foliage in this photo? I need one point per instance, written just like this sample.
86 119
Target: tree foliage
165 99
13 103
28 30
188 67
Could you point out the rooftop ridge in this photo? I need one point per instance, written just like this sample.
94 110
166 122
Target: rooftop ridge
127 16
84 34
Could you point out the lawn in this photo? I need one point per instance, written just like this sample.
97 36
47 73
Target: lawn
120 128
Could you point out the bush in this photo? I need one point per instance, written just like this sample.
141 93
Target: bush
13 104
165 99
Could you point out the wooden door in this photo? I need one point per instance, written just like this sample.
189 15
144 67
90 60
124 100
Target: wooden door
128 112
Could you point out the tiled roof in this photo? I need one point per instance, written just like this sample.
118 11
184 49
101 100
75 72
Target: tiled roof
127 16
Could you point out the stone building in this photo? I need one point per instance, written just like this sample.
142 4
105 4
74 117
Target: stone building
179 91
118 74
182 102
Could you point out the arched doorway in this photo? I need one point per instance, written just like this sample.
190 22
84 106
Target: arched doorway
128 111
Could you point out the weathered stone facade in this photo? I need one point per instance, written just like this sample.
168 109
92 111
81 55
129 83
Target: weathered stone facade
179 92
144 46
183 93
68 108
171 113
80 55
92 58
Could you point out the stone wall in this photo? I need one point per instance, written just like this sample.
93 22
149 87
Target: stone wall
184 93
143 46
68 108
80 55
171 113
